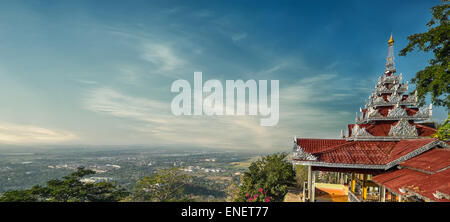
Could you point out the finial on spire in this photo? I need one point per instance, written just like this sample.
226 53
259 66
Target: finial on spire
391 41
390 57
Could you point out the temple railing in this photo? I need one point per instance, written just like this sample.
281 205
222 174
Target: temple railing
352 197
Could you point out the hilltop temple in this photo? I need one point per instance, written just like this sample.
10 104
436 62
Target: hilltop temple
388 154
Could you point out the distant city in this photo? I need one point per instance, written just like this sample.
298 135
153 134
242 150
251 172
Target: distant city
212 171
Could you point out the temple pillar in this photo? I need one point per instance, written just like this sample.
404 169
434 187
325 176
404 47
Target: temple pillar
353 183
313 186
389 196
364 187
309 182
304 193
383 194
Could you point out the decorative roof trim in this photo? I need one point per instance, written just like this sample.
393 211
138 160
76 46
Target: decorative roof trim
424 112
300 153
366 120
360 132
419 195
403 129
397 111
383 138
395 98
375 166
338 165
381 89
389 79
440 195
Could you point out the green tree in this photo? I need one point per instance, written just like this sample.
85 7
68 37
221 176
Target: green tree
435 78
232 191
443 132
301 175
18 196
69 189
165 185
272 173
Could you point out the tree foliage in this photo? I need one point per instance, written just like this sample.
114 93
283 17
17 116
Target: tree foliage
68 189
272 173
232 192
443 132
301 175
165 185
434 78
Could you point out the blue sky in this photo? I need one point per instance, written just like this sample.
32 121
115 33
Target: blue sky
99 72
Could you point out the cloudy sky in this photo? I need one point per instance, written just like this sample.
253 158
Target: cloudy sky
99 72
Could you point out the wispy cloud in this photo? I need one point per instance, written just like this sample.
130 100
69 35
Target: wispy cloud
87 82
238 36
162 57
112 102
28 134
204 13
129 75
309 105
158 125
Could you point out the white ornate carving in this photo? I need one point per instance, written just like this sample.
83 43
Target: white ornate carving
394 98
360 132
379 101
424 112
397 87
371 112
382 88
389 79
404 87
300 153
397 111
358 118
410 99
403 129
416 100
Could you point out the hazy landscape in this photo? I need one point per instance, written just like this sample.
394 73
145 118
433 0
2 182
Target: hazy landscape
212 171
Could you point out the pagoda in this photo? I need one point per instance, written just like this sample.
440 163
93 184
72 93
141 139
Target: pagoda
391 113
389 130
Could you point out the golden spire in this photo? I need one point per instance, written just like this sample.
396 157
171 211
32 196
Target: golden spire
391 41
390 56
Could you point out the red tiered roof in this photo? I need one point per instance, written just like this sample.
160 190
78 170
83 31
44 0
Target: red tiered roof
361 152
397 179
428 185
317 145
431 161
424 175
384 111
383 128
